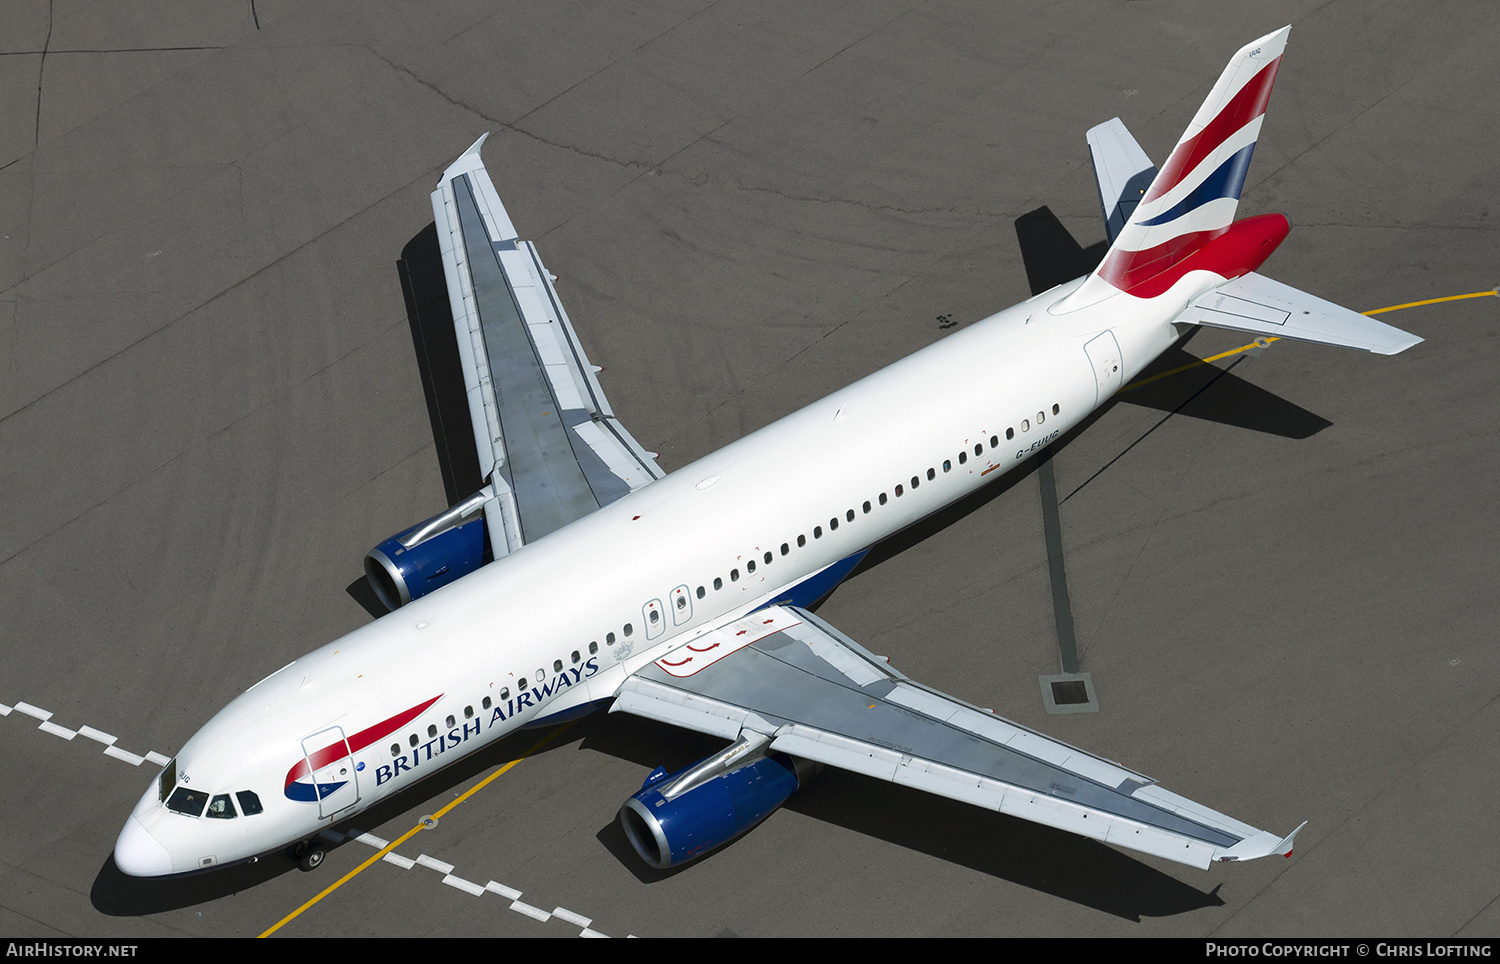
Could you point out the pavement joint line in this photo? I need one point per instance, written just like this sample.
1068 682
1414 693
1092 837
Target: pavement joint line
109 740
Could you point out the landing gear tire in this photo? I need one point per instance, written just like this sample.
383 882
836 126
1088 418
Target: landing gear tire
308 855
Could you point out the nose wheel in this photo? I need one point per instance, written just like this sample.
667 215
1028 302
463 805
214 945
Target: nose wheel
309 855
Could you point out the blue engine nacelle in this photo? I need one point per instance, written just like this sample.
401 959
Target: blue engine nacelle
676 818
429 555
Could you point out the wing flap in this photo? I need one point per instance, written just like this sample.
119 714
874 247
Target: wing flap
1256 304
786 674
541 423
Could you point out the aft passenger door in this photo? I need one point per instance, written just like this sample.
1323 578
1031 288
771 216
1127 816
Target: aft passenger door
1104 355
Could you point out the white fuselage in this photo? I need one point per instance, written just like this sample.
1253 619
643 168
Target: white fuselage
564 621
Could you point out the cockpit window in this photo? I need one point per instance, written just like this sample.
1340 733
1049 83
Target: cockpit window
168 780
220 807
187 800
249 802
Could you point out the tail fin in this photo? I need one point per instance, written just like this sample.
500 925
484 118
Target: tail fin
1193 199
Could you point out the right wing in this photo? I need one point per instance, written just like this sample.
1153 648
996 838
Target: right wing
782 673
547 437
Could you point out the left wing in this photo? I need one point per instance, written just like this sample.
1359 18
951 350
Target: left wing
783 675
547 437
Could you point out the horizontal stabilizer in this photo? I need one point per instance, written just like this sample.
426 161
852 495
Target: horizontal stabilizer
1122 171
1260 306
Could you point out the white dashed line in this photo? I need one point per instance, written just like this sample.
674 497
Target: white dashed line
45 724
469 887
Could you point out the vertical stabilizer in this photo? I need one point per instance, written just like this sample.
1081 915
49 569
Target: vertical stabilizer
1193 199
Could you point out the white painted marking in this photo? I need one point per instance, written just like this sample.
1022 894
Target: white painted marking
369 839
434 864
467 886
97 735
591 933
571 917
56 730
509 893
400 861
120 754
157 758
35 711
529 911
4 710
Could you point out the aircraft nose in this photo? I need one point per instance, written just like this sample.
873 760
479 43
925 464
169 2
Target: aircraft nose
139 854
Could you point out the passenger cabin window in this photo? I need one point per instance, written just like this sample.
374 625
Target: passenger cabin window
557 666
1010 433
1055 409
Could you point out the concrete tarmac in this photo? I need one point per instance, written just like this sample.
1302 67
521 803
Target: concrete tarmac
1282 579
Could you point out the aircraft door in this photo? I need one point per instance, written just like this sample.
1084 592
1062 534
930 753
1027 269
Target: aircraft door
656 620
333 770
1109 366
682 605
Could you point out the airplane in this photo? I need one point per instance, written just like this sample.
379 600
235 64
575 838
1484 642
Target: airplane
582 576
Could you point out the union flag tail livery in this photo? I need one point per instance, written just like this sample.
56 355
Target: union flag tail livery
1191 203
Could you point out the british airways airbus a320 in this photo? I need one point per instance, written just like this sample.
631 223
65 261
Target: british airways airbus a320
698 581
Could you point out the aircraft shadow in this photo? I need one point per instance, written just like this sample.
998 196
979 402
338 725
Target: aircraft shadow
435 346
435 343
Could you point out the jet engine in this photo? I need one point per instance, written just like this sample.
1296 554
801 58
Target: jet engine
678 817
431 554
